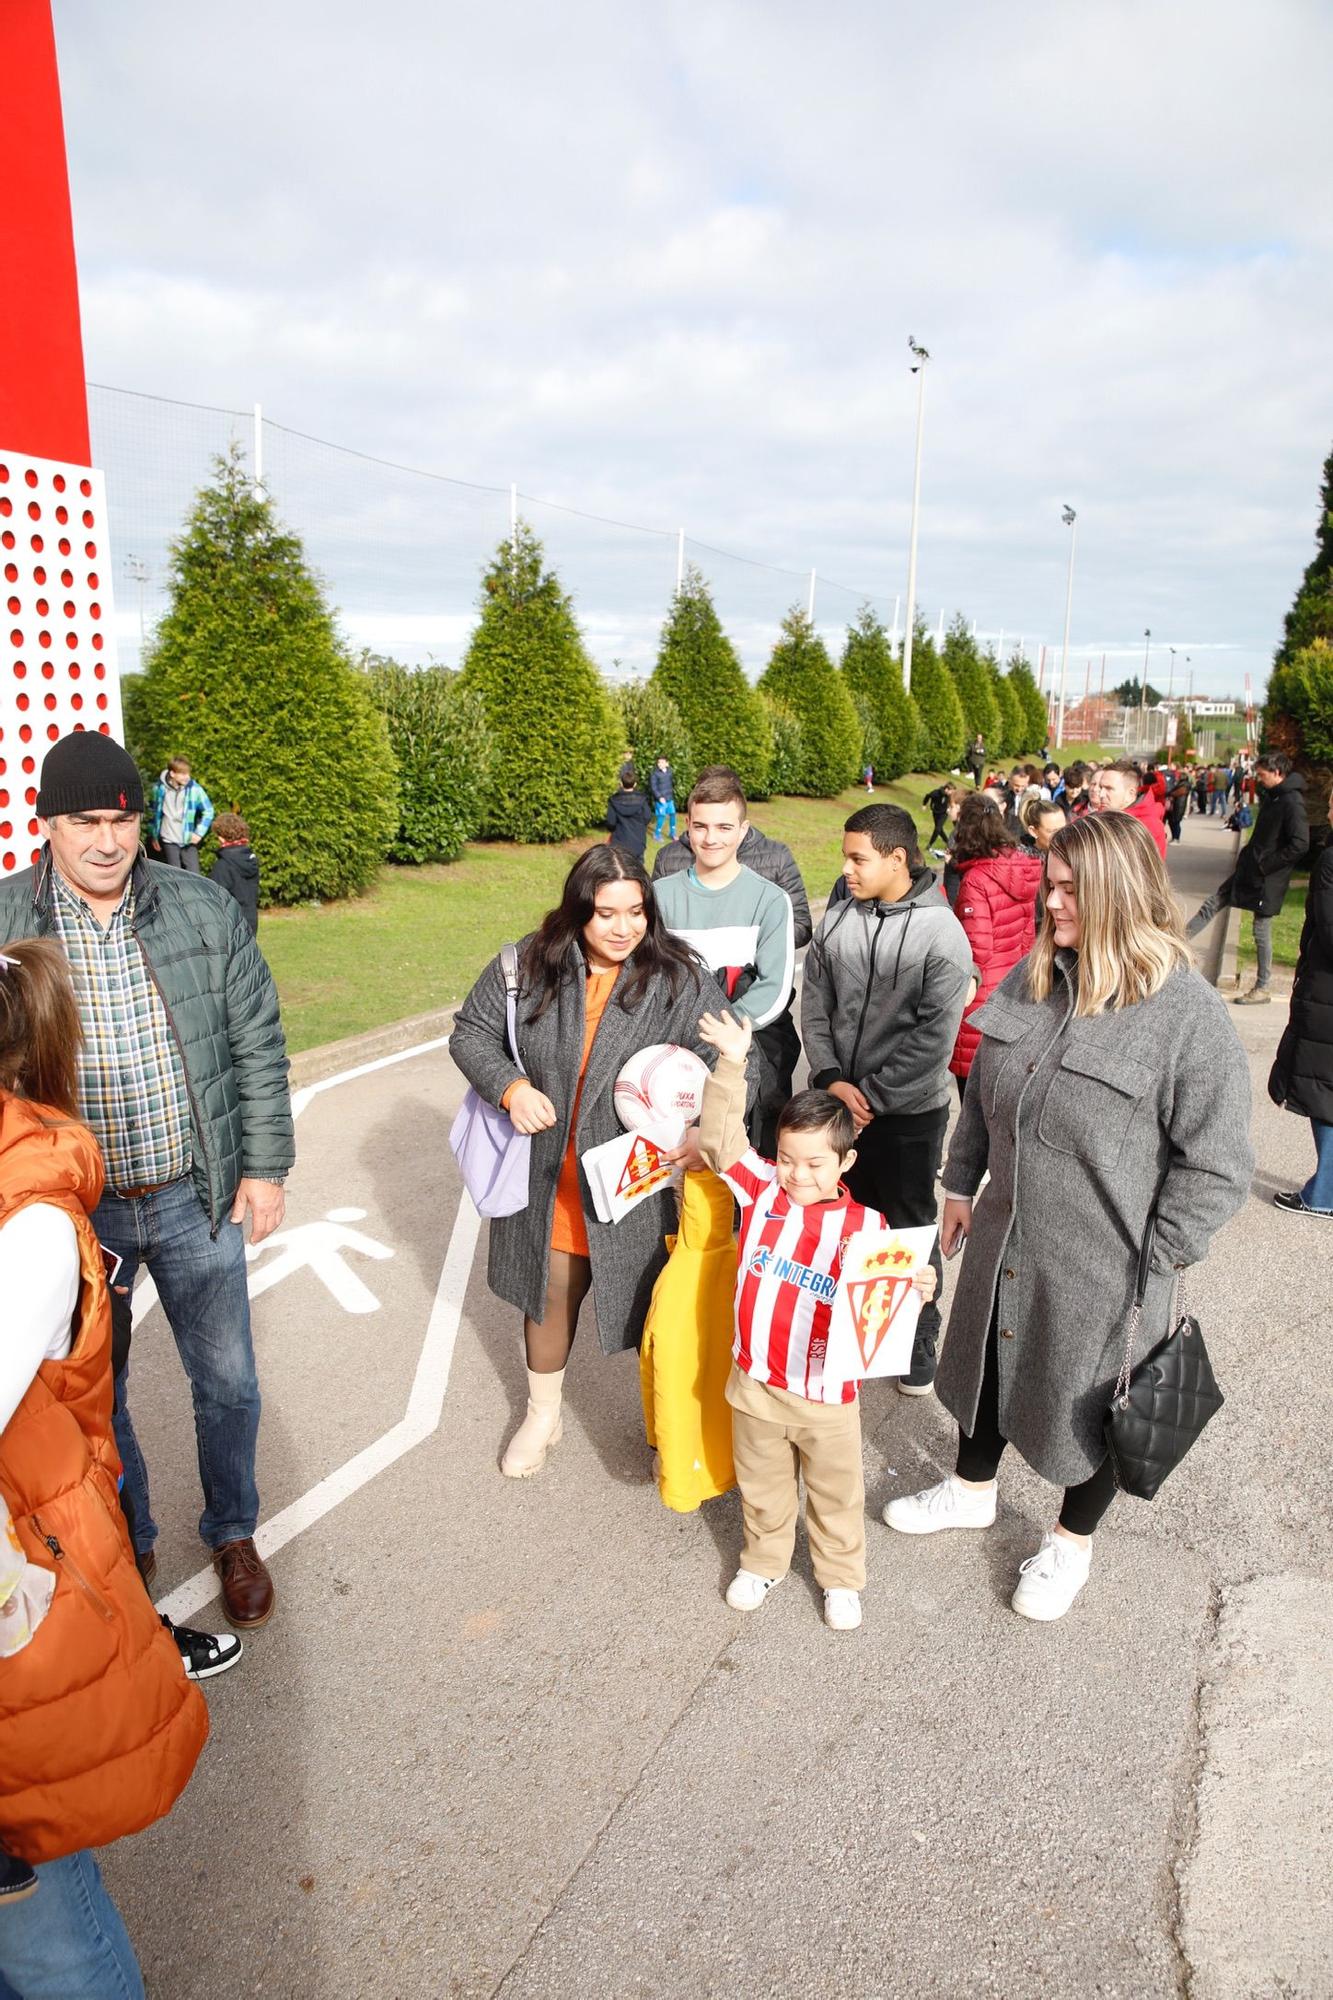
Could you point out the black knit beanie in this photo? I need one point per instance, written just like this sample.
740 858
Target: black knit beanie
89 772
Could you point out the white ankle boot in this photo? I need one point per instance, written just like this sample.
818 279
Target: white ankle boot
539 1430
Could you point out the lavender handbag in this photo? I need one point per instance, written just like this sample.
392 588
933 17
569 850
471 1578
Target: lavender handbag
492 1157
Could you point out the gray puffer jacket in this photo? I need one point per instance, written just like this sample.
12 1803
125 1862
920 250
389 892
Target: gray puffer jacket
223 1008
882 996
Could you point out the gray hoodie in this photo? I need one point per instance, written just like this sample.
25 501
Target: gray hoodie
882 996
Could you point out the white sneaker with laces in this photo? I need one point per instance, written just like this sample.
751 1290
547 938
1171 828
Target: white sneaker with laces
746 1591
1049 1582
950 1504
842 1609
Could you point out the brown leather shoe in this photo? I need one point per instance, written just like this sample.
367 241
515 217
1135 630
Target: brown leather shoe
247 1587
145 1561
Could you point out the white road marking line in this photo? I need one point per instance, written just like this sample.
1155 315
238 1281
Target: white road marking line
425 1406
145 1291
302 1097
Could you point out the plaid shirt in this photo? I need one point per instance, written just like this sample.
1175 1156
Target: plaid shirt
132 1089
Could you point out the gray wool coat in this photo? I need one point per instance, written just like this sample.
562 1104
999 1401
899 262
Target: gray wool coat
626 1256
1083 1124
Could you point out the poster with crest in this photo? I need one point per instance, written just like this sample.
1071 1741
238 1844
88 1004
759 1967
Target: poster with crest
876 1307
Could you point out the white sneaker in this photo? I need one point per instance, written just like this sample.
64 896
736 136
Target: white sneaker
842 1609
948 1505
746 1591
1049 1582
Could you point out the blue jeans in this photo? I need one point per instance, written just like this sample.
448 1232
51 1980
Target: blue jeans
200 1280
1318 1190
664 809
67 1942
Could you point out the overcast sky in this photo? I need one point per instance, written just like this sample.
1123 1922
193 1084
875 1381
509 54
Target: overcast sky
661 263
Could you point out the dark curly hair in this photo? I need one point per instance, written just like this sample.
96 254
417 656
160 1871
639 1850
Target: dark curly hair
660 955
981 829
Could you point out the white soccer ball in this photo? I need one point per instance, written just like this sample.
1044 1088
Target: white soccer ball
660 1084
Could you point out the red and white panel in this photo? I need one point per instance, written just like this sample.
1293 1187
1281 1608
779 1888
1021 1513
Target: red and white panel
57 641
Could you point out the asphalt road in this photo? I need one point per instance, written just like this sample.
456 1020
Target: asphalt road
506 1738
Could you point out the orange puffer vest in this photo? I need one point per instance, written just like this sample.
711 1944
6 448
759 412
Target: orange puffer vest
99 1728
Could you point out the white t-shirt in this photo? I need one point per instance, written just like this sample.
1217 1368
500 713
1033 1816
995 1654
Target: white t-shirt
39 1283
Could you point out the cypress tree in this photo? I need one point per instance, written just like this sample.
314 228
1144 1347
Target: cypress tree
700 669
653 728
1010 710
875 676
804 679
1298 708
442 747
972 684
788 750
1298 714
556 739
1032 703
248 678
940 743
1311 615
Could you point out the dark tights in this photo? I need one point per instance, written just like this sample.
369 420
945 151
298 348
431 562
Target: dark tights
979 1455
549 1342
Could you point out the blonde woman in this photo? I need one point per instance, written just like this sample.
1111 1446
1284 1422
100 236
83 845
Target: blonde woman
1108 1085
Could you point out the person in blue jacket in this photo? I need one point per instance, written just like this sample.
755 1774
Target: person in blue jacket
662 785
181 814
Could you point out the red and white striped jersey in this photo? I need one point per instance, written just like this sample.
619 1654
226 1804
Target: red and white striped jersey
786 1276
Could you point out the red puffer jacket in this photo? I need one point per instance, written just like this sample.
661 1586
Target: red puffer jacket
997 907
1147 808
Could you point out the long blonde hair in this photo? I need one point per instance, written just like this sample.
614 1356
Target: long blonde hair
1132 935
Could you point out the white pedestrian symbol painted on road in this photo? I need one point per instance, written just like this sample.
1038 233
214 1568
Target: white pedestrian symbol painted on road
319 1247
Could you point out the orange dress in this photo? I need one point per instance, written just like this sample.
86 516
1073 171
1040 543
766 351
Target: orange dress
569 1231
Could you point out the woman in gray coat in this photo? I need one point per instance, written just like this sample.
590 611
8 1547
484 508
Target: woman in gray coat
601 979
1109 1086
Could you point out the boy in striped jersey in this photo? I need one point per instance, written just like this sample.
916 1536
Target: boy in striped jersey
796 1215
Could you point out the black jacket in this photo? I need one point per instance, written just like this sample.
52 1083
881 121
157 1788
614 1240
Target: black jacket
772 859
1302 1074
1280 839
629 816
236 870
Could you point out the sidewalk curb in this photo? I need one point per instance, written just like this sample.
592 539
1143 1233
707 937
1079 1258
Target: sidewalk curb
313 1065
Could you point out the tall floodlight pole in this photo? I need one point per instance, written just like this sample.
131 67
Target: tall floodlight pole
919 370
1070 519
136 567
1170 674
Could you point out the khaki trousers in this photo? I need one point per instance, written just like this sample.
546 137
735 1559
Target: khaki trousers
777 1436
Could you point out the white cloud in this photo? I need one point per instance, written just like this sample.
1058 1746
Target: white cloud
661 265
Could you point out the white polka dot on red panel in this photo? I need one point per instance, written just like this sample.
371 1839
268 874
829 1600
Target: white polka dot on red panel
53 589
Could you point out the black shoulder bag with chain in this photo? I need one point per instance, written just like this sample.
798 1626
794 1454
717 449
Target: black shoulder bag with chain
1159 1408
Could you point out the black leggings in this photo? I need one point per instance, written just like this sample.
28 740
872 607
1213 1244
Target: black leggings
979 1455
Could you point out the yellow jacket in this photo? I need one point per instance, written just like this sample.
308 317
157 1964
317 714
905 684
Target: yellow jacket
685 1356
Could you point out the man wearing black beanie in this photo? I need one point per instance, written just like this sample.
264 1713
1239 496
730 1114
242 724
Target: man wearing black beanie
183 1080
